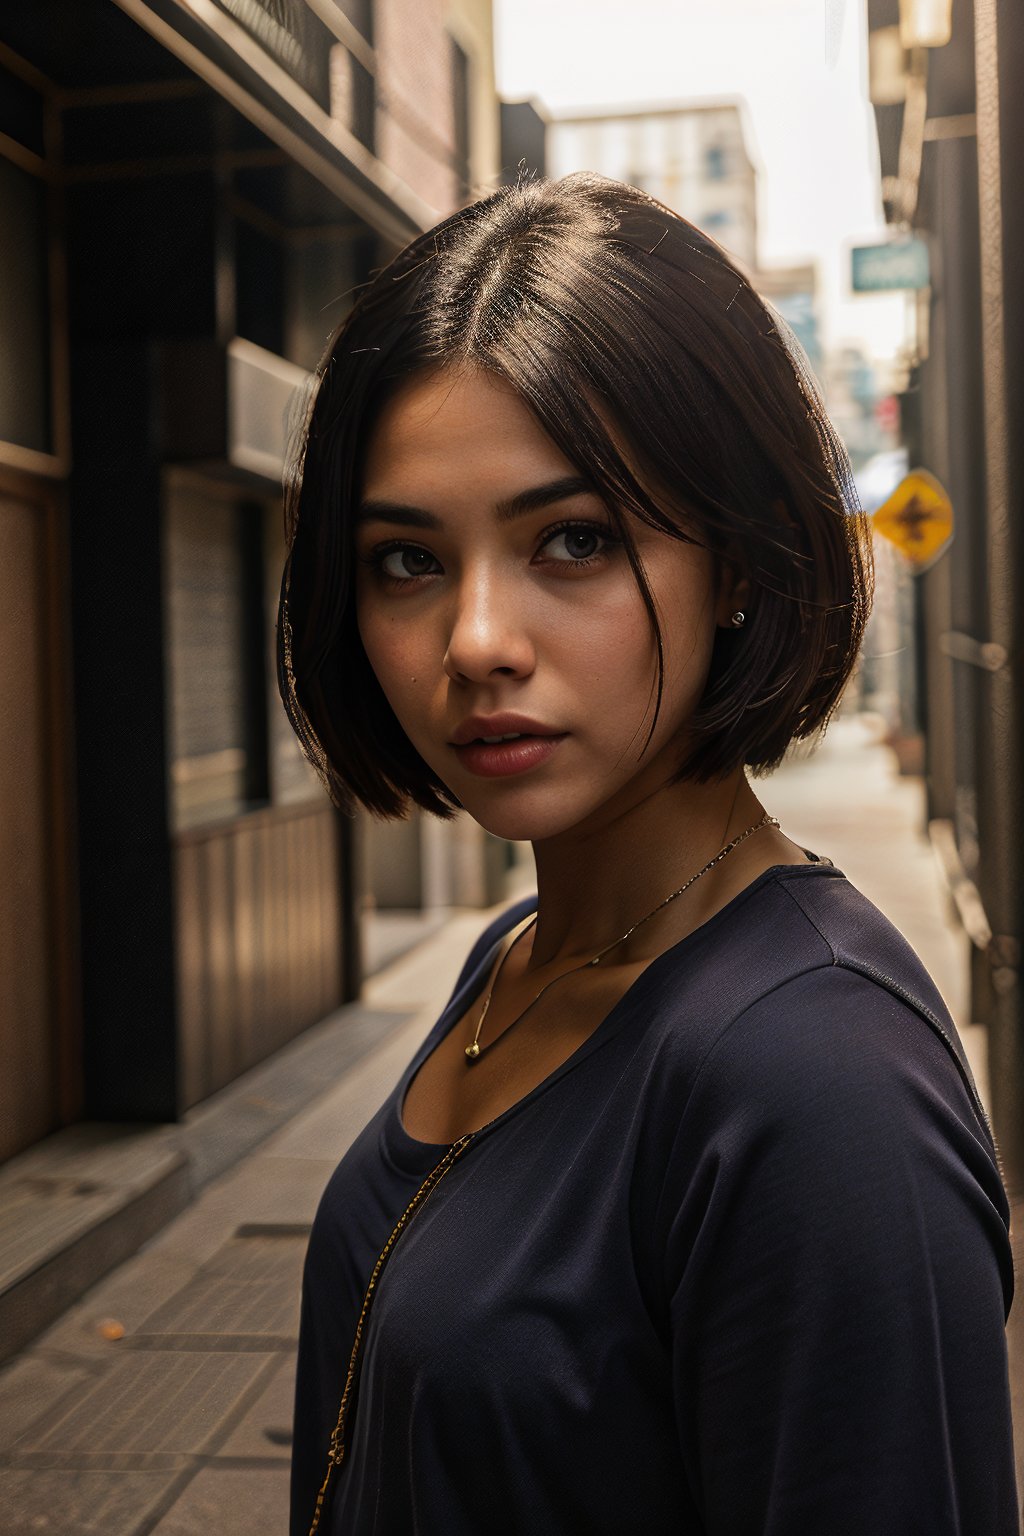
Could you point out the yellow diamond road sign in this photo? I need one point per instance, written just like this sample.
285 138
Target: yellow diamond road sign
917 518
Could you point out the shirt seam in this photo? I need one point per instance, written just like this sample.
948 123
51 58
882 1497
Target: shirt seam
808 918
785 981
910 998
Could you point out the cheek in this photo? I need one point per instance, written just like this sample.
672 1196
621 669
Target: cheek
392 651
622 637
688 623
383 645
619 646
688 644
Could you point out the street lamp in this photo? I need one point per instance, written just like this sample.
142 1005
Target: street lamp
926 23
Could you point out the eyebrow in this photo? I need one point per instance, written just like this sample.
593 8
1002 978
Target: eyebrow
532 500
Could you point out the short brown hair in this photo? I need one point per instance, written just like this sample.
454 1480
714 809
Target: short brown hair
617 322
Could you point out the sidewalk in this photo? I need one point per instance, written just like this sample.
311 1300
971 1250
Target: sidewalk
160 1404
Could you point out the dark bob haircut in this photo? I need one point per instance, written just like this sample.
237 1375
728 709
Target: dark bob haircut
651 362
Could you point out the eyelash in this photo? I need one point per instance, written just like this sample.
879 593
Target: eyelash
609 539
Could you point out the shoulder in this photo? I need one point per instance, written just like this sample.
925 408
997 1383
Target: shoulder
827 1240
892 984
811 1067
801 974
829 1044
831 1108
832 1104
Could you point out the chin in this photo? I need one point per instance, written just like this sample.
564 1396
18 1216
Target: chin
525 823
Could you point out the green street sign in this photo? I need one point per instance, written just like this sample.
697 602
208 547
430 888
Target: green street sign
899 264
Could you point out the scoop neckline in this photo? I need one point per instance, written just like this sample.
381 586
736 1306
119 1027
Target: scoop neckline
404 1148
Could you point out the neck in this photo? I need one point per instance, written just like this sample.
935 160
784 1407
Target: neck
596 881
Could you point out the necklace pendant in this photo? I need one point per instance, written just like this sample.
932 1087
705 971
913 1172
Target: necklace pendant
473 1051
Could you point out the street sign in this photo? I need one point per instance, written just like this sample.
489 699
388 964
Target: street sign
898 264
917 518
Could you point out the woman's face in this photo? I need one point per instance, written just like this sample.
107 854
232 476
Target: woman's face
495 602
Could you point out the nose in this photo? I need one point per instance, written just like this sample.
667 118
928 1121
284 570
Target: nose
488 635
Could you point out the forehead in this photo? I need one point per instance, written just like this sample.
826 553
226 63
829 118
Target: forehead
449 424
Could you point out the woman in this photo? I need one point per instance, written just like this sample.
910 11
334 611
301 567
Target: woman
686 1216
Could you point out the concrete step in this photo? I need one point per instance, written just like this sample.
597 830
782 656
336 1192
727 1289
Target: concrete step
80 1203
75 1206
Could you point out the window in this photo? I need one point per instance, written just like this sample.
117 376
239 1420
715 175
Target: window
360 14
352 94
294 37
461 117
25 378
292 779
716 162
217 704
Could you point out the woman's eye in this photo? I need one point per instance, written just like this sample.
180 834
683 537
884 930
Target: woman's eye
577 544
406 561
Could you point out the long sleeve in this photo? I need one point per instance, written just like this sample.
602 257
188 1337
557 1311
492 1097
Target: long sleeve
837 1275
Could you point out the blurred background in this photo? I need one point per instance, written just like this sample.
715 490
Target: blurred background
199 957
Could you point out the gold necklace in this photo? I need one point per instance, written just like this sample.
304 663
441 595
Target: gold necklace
475 1050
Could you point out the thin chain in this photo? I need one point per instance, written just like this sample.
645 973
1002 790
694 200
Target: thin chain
475 1050
766 821
337 1447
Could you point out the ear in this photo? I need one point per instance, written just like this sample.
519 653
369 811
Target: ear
733 595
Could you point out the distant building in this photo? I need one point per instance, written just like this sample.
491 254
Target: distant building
692 158
793 292
695 160
524 131
190 195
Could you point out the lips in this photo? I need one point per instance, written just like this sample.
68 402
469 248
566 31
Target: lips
497 746
497 760
492 728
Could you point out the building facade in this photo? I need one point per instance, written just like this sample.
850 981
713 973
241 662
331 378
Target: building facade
950 132
189 193
692 158
695 159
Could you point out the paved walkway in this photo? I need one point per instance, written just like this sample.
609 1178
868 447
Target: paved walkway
161 1402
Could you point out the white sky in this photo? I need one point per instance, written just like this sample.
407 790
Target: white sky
801 67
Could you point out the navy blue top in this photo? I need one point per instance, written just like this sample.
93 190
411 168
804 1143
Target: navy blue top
738 1267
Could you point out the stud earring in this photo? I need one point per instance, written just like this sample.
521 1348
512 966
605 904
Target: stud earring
738 620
